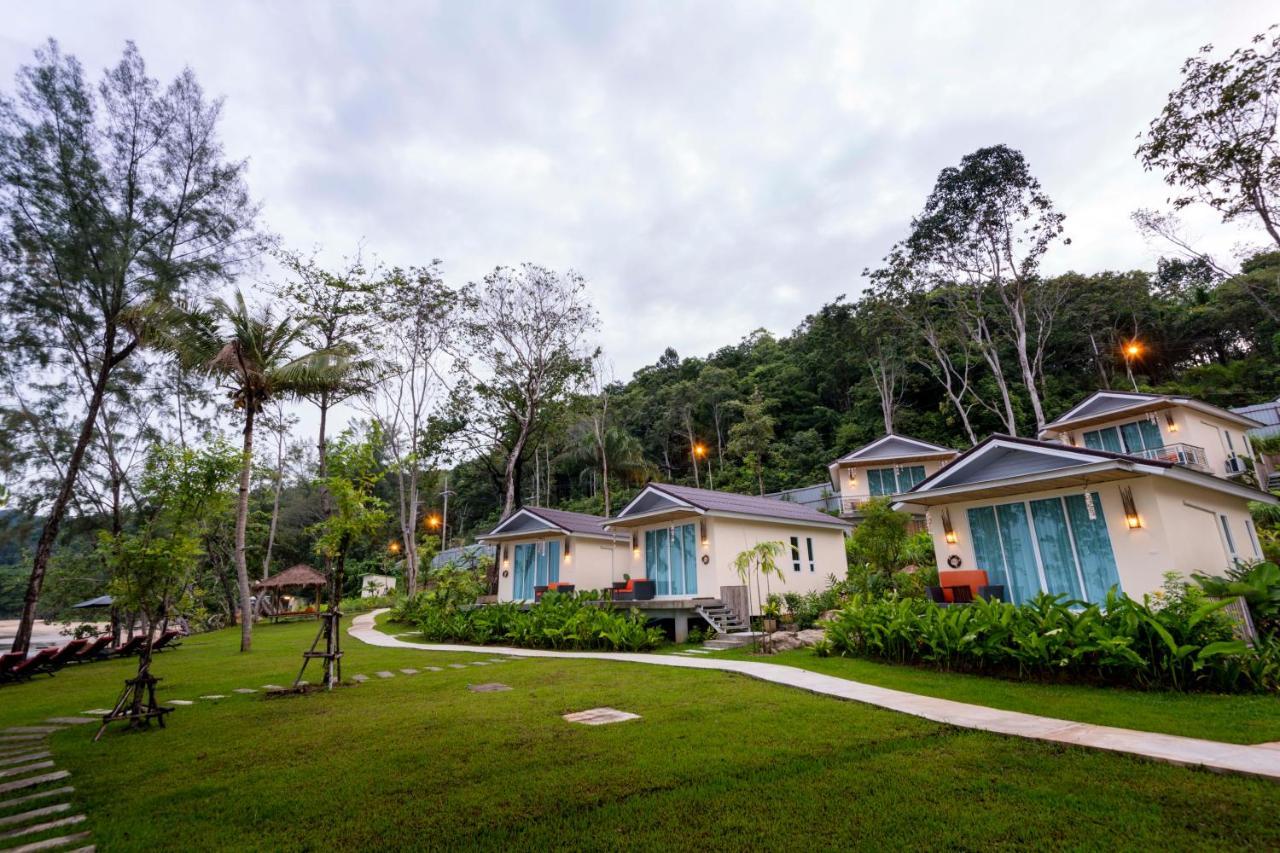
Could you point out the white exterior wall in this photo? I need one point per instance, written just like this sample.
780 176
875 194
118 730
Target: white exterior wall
590 564
861 490
1173 536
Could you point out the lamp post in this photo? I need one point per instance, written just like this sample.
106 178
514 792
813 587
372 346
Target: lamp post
700 452
1133 349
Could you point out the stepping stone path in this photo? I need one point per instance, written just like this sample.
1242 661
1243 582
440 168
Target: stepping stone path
244 690
479 663
359 679
600 716
272 687
97 712
432 669
215 696
499 660
457 666
385 674
181 702
409 671
493 687
35 808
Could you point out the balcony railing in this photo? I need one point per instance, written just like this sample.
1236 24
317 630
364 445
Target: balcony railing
1187 455
853 506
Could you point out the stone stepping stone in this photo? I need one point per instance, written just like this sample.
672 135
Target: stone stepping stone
433 669
16 739
492 687
272 687
215 696
34 813
479 663
73 721
359 679
52 843
244 690
457 666
98 711
302 684
181 702
32 781
43 827
385 674
600 716
29 768
31 730
18 759
39 795
409 671
499 660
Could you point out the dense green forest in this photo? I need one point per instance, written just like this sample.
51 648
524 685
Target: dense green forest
494 393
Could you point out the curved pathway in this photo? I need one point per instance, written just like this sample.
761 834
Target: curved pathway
1261 761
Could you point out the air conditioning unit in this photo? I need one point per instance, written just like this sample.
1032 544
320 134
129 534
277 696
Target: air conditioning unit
1235 465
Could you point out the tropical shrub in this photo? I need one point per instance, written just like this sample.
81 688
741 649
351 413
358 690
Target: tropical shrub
363 604
558 621
1258 585
805 608
1177 641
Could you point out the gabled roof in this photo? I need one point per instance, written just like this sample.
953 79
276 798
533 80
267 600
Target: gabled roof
660 498
1006 464
533 520
299 575
1103 403
895 447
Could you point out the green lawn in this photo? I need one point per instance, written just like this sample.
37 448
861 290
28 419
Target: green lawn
718 761
1234 719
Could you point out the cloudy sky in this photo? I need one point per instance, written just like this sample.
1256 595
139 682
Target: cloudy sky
710 167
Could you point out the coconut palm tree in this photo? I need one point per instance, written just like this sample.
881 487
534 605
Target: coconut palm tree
256 358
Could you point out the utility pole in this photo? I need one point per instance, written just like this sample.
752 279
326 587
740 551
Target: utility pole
444 515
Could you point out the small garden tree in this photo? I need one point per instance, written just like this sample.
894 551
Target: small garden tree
181 491
357 514
758 561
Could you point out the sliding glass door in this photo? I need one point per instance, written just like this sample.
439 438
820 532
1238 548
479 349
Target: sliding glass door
1053 545
671 559
537 564
893 481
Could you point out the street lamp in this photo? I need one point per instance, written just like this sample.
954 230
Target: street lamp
1133 349
700 452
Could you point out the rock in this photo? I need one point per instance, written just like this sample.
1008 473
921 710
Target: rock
828 615
810 636
783 641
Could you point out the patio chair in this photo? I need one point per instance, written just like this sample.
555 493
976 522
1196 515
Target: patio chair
962 594
97 650
34 665
130 648
66 654
166 641
937 596
993 591
8 661
644 589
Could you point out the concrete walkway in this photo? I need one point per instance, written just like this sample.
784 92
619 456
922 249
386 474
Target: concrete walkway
1227 757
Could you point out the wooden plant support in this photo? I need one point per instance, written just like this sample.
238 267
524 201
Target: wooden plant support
331 632
137 704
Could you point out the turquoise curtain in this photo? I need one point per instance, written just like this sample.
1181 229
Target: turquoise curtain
986 545
910 475
662 561
1093 440
1056 553
1151 437
878 484
1132 437
1019 556
540 576
1093 545
553 562
650 555
522 581
1104 439
690 560
677 561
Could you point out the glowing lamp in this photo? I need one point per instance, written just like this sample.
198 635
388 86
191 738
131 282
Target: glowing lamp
1131 518
949 532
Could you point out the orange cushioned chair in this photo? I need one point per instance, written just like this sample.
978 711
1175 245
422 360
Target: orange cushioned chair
973 579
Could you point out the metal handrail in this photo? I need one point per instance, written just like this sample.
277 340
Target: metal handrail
1187 455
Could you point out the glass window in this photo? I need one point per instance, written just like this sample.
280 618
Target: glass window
1226 532
909 476
1104 439
795 553
1057 557
1253 537
808 541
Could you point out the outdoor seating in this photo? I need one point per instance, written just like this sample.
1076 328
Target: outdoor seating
636 589
97 650
959 594
937 596
67 654
130 648
166 641
972 580
34 665
8 661
993 592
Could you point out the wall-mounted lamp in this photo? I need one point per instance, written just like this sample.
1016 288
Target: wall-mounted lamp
1170 422
703 530
853 476
949 532
568 545
635 544
506 555
1131 517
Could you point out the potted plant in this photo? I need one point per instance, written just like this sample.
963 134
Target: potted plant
770 613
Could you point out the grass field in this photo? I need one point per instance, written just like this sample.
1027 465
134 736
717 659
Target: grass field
718 761
1233 719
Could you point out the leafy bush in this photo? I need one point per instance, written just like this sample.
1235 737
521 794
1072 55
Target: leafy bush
805 608
558 621
363 604
1177 641
1258 585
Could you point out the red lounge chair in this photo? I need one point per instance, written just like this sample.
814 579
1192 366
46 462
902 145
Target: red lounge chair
96 650
8 661
35 664
66 654
132 647
166 641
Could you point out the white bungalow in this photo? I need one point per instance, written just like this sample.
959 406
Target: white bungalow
540 547
890 465
1044 516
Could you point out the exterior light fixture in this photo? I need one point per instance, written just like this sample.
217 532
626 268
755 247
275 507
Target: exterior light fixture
568 544
703 530
1133 349
1131 517
949 532
635 543
853 476
506 555
1170 422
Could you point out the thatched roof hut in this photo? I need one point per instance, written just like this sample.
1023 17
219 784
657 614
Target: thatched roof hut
299 575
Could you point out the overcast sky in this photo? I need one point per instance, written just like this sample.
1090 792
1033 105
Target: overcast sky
710 167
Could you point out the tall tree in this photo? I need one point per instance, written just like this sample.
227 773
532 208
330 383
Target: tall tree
257 359
984 229
1216 141
751 437
528 331
113 199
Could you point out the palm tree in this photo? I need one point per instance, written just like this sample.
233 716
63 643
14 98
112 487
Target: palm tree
255 357
607 450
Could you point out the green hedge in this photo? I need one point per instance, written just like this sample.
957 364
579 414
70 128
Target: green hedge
1178 642
559 621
